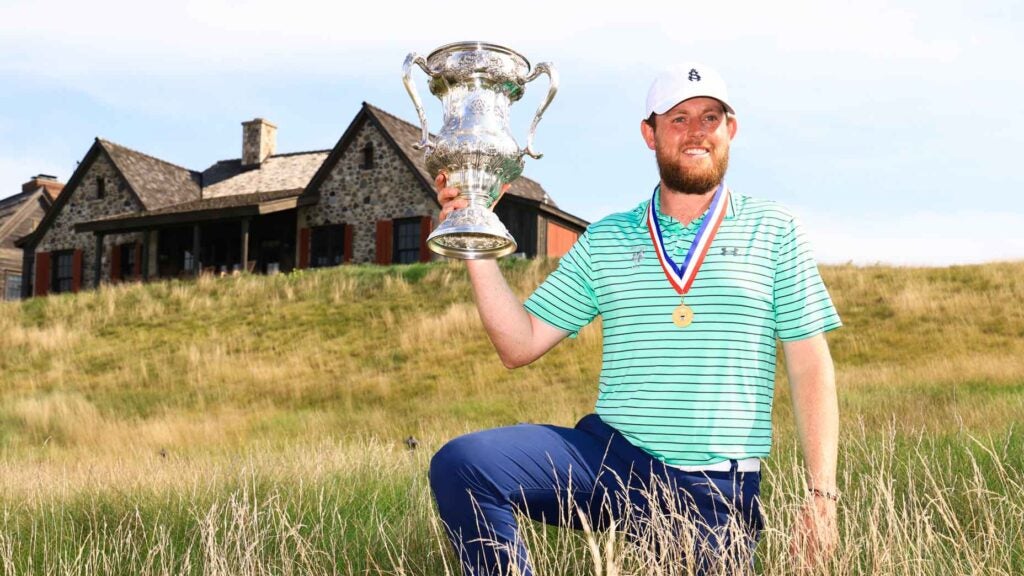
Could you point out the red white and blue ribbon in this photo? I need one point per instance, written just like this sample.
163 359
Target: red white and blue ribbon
681 277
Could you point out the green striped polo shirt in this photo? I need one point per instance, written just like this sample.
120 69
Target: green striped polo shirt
701 394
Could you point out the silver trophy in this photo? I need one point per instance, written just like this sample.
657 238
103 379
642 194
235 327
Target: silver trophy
476 82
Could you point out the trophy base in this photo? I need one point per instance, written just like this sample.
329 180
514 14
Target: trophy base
472 233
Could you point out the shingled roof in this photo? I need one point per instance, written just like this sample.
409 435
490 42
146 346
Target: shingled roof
405 135
156 182
10 206
279 172
228 187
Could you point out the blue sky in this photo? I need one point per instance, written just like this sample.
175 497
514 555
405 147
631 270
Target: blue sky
895 129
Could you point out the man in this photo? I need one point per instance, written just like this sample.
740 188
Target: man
693 286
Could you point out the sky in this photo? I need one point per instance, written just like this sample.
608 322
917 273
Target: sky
892 129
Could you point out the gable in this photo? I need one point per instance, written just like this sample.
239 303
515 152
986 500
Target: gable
356 131
350 191
81 201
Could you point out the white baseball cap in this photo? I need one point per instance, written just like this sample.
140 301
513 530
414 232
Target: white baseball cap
688 80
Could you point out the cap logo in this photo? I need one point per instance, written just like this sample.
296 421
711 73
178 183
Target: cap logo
694 75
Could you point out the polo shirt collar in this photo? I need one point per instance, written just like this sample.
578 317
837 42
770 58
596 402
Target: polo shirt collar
730 210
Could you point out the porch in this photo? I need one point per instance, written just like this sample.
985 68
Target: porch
255 233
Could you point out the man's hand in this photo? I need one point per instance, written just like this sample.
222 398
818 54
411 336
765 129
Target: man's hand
449 198
816 534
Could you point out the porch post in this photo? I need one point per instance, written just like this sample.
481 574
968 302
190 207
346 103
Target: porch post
145 255
97 267
196 268
154 253
245 245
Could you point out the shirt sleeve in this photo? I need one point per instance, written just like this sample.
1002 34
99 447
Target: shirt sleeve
803 307
566 299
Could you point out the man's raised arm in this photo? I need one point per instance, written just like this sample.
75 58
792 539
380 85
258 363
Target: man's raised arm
518 336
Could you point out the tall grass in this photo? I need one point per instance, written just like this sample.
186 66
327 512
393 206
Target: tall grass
911 506
254 425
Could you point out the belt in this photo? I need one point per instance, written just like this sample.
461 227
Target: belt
745 465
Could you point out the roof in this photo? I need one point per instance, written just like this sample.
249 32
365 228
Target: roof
10 206
156 182
278 172
228 190
405 135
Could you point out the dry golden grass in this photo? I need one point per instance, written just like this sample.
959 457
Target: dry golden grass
135 421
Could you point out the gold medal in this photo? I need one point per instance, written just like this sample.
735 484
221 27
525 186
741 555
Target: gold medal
682 316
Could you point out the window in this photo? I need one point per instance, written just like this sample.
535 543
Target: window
63 264
407 240
367 156
12 288
128 252
327 246
101 187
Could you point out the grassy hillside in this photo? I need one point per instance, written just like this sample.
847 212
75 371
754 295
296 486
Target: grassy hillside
255 424
348 352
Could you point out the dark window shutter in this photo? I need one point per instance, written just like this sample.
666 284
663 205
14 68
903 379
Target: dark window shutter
42 274
115 263
304 248
425 227
76 271
384 250
349 237
137 269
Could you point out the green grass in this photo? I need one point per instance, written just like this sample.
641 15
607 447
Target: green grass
254 425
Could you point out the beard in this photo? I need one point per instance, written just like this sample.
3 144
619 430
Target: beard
699 181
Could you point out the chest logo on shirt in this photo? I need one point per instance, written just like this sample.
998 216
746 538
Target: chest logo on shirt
638 257
730 251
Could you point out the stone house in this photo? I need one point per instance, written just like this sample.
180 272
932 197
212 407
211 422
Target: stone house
19 215
125 215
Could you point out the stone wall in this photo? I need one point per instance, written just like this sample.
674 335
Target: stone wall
82 206
360 196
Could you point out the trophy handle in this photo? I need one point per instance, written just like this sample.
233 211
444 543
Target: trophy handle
410 87
542 68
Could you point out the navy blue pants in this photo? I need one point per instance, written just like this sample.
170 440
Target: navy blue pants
479 480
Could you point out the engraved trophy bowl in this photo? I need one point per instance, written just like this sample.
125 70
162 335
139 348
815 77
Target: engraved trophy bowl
477 83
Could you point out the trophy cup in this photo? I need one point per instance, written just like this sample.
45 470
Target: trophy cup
477 83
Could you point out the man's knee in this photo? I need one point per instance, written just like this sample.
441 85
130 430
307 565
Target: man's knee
461 461
451 457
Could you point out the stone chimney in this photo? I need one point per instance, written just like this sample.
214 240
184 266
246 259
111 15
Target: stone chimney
259 140
50 184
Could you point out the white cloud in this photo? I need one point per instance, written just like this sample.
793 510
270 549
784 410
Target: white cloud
69 37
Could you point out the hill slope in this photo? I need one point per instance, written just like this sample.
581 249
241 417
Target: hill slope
389 352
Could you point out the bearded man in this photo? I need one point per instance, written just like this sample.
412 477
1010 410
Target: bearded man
694 286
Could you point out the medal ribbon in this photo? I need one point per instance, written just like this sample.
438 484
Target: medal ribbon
681 277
